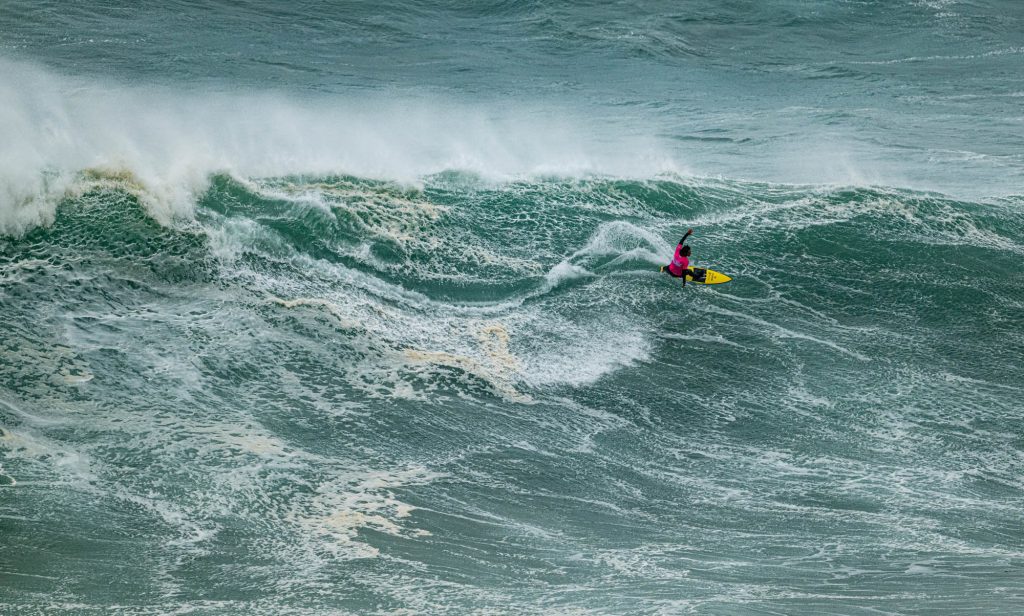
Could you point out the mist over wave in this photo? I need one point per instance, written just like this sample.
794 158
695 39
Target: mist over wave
168 142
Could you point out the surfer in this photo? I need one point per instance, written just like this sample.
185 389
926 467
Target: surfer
680 265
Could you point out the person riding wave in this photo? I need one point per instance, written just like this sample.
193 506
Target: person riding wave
680 265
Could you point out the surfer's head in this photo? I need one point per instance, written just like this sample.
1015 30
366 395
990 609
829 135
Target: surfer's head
685 251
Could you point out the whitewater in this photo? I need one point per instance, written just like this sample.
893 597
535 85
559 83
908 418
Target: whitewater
324 309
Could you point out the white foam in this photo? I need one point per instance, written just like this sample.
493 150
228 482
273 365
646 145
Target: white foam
595 351
564 272
620 237
332 517
170 141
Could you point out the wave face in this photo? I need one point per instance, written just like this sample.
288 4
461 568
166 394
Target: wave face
319 309
336 392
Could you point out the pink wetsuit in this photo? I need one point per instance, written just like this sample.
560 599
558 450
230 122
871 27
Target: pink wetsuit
679 263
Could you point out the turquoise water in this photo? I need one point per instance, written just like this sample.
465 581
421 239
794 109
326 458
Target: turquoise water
313 309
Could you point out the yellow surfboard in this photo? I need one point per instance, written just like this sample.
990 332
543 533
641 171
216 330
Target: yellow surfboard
710 276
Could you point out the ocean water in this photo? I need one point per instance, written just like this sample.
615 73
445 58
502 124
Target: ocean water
353 308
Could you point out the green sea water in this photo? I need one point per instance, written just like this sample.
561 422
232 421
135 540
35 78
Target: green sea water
322 309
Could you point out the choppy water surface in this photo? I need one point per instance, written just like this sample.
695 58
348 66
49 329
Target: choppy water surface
356 309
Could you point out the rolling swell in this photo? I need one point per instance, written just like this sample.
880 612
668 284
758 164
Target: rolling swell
340 391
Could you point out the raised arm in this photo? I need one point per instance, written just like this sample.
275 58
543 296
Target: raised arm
688 232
